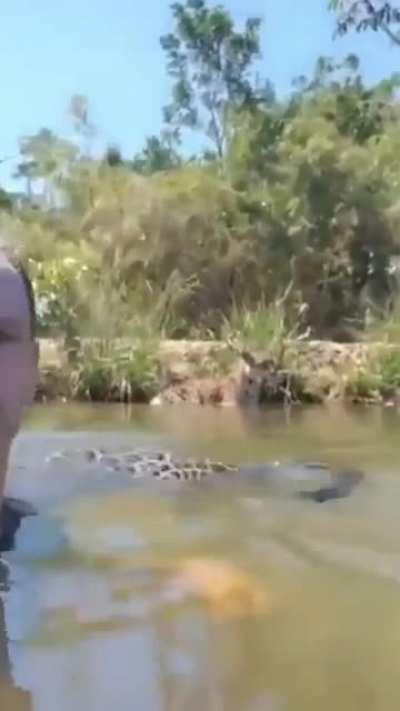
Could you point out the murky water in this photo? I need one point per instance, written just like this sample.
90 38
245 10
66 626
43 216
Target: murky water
201 597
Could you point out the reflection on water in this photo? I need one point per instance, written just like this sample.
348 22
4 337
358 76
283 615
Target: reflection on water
202 598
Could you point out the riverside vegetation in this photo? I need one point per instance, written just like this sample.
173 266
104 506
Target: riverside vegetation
277 242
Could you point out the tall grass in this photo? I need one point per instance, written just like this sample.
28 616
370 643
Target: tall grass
256 329
384 327
111 371
379 377
267 327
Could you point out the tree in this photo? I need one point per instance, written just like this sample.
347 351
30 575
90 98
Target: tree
211 63
79 111
156 156
45 158
5 200
364 15
316 175
113 157
358 111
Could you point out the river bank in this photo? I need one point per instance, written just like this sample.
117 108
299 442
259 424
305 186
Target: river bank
208 372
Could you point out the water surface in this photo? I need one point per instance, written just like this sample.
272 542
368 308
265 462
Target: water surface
195 597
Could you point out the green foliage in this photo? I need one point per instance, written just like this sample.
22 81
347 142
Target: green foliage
363 384
389 372
301 192
265 327
44 157
384 328
156 156
5 200
108 371
56 284
307 195
210 62
362 15
323 199
379 378
84 128
305 192
113 156
259 329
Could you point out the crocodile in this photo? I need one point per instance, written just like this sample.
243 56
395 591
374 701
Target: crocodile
164 466
158 464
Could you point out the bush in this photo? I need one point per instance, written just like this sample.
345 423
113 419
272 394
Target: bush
378 379
108 371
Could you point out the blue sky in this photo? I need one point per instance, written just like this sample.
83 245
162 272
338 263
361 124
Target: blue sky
110 52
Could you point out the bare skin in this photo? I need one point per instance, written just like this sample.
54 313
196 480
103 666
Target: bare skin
18 360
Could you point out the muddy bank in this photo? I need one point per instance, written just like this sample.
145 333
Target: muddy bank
204 372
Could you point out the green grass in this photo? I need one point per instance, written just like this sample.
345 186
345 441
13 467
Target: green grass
385 328
379 378
105 370
258 329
